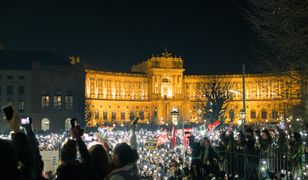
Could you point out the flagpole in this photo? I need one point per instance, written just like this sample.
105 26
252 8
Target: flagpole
183 139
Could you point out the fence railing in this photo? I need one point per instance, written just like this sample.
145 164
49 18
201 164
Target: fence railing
258 164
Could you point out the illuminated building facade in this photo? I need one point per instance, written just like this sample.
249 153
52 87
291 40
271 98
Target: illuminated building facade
158 88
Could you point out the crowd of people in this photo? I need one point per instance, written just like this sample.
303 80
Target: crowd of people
123 153
250 153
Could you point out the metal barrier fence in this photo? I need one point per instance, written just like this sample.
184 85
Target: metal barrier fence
259 165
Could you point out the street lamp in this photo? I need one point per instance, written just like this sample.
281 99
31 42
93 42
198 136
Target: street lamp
174 116
243 111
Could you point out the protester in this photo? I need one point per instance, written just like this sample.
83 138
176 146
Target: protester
70 167
123 162
297 155
20 158
100 163
220 153
209 158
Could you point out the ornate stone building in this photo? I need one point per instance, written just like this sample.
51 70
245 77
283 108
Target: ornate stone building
158 88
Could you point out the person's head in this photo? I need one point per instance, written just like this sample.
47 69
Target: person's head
68 151
297 137
266 135
100 163
191 139
205 142
240 136
123 154
249 132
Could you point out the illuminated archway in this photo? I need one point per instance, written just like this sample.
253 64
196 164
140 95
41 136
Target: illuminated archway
67 124
45 124
166 87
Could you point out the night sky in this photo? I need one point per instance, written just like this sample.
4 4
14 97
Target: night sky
210 35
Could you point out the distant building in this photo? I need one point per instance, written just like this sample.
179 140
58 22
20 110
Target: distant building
158 88
52 90
44 86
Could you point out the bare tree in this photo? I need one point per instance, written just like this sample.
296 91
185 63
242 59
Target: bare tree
281 40
215 96
281 29
88 113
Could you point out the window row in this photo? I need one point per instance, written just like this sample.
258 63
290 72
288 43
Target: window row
10 90
57 102
11 77
21 104
123 116
253 114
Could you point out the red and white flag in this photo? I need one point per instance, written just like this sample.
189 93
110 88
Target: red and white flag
212 127
162 138
173 137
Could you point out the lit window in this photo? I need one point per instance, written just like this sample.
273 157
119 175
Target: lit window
253 114
45 101
57 101
123 115
231 115
114 116
131 115
274 114
105 115
141 115
263 114
156 89
96 114
165 80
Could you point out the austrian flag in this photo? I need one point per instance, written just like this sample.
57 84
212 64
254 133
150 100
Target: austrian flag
162 138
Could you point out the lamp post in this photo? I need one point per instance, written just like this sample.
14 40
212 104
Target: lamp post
243 111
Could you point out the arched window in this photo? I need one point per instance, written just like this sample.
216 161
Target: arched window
113 115
131 115
45 100
274 114
165 80
155 115
253 114
105 115
263 114
122 115
141 115
96 115
45 124
67 124
231 115
57 100
199 114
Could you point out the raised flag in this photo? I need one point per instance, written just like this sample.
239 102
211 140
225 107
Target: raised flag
173 137
162 138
